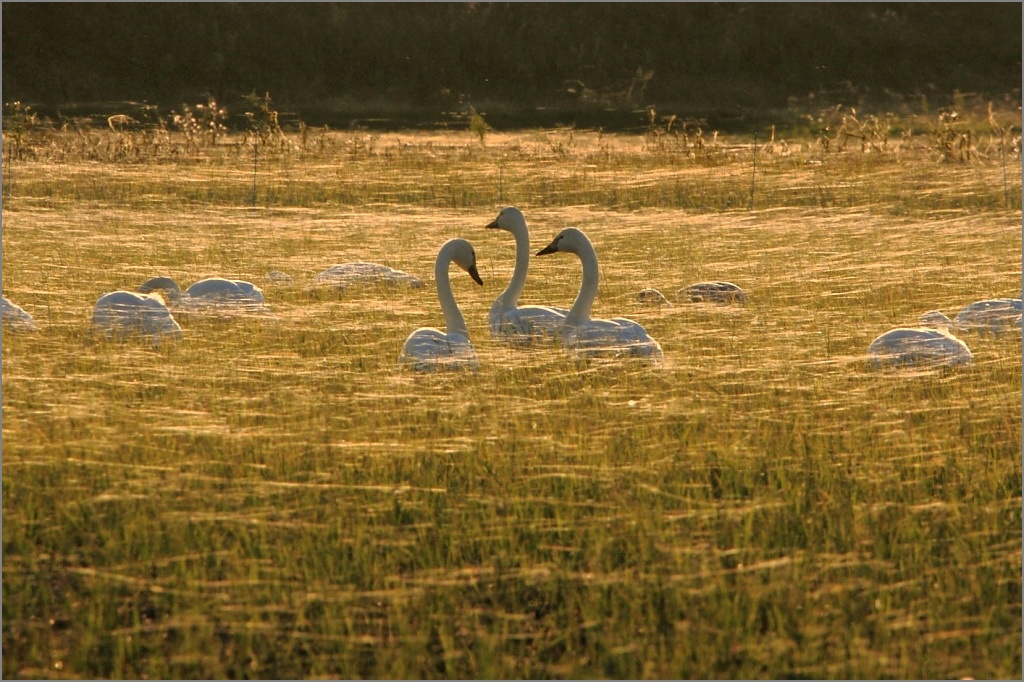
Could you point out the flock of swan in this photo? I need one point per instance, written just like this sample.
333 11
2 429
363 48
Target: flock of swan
430 348
933 342
145 311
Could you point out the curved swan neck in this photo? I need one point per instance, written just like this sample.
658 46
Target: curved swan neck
510 297
453 320
580 311
165 283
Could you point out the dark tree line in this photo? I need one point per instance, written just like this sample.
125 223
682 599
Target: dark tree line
691 55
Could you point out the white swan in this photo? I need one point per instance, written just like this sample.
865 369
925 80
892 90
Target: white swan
122 313
428 348
213 292
991 315
15 317
617 336
713 292
651 296
277 277
918 346
348 274
508 319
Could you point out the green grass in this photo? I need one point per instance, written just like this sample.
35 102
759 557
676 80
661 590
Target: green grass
273 497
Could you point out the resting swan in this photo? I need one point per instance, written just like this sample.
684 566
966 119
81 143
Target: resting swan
713 292
347 274
15 317
507 318
918 346
211 292
428 348
121 313
617 336
991 315
652 296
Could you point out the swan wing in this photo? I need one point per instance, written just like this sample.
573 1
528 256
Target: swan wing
15 316
220 295
934 318
651 296
526 323
990 315
429 349
616 337
126 312
347 274
213 288
918 346
636 339
713 292
249 291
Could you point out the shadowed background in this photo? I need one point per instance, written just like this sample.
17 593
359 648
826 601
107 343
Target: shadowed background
525 63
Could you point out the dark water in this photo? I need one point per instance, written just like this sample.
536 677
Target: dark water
394 118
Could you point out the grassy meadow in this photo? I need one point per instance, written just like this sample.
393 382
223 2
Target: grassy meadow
272 497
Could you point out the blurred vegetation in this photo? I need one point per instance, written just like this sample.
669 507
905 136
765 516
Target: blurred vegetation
509 59
271 498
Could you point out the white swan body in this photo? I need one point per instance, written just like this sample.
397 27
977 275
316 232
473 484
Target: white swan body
936 319
508 319
15 317
122 313
918 346
277 277
651 296
348 274
431 349
991 315
713 292
618 336
213 292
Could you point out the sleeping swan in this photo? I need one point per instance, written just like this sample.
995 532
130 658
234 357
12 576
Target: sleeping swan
15 317
991 315
428 348
651 295
712 292
918 346
617 336
122 313
520 324
347 274
212 292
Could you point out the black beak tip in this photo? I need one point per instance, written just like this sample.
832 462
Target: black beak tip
546 250
475 275
492 225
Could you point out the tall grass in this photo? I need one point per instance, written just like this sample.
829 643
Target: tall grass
273 497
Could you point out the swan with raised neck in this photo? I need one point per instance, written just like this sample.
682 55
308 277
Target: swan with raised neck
507 318
617 336
428 348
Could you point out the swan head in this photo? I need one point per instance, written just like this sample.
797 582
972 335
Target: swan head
510 218
569 240
161 284
462 254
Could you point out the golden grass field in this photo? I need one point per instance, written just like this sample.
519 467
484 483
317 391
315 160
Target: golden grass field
273 497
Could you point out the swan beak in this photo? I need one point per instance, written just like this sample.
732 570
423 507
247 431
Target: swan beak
550 248
492 225
475 275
